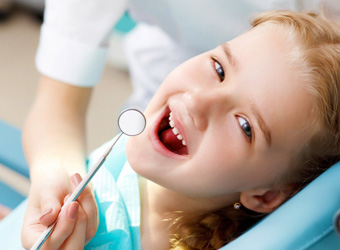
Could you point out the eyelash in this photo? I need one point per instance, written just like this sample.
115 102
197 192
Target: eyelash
251 133
219 71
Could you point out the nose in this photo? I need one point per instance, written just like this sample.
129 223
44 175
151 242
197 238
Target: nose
205 104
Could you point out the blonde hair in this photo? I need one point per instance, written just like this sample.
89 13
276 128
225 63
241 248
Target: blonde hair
318 60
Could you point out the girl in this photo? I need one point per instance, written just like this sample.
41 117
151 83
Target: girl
231 134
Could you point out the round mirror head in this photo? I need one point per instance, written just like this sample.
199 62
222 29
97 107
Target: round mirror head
131 122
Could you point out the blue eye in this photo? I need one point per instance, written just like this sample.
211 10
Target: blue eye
245 126
219 70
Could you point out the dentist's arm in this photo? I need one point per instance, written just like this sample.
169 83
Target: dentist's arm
54 145
55 126
72 48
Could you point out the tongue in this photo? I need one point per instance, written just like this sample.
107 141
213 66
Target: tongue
171 142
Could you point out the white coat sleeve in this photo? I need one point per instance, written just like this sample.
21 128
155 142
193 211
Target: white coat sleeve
74 39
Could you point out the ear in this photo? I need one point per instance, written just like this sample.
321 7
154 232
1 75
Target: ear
263 200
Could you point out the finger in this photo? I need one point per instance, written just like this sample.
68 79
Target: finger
32 228
64 226
88 203
77 239
50 208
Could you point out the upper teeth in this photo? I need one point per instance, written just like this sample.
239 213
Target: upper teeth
175 130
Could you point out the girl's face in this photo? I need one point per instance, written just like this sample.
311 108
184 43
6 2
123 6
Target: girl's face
240 110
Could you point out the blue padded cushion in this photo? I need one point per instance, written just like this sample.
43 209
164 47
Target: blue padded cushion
11 156
9 197
11 152
303 222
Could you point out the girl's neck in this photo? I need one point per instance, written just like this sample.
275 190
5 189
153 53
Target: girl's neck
160 208
154 230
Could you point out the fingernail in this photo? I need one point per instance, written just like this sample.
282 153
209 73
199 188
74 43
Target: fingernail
73 210
76 179
47 212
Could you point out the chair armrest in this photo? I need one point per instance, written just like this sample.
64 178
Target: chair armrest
11 152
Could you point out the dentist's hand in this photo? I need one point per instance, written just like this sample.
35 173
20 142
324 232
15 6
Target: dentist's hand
54 146
78 221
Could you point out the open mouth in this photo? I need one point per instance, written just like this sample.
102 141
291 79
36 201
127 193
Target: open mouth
169 135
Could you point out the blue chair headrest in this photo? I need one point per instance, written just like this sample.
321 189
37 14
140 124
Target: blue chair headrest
303 222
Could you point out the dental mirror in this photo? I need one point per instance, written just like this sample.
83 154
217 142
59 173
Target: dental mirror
131 122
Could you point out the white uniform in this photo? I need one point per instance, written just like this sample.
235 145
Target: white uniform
74 36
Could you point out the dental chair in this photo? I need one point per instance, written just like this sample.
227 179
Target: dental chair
11 157
304 222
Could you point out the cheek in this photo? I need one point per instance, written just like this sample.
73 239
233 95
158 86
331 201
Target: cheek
131 154
222 161
135 156
142 156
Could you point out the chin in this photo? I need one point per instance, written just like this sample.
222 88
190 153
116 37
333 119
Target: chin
131 152
136 154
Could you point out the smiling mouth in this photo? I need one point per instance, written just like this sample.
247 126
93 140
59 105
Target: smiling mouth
169 135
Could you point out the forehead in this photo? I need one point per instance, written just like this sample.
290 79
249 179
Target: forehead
269 80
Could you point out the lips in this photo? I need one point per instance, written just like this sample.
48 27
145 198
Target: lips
169 134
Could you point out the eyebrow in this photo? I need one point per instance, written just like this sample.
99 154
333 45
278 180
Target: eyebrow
263 126
227 51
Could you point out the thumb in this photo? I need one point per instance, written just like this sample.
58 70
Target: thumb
50 208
